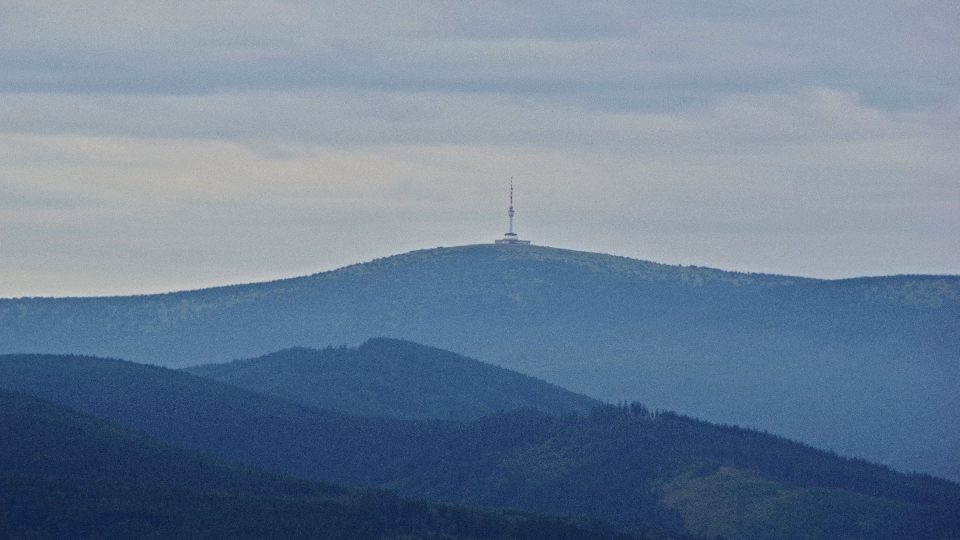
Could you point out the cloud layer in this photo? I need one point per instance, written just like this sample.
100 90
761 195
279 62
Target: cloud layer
145 146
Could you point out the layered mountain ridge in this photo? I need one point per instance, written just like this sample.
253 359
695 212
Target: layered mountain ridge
626 465
68 475
867 367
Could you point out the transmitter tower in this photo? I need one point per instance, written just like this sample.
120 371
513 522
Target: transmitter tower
511 237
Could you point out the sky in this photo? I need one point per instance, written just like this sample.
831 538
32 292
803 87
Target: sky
149 146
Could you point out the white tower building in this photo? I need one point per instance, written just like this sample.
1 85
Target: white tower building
511 237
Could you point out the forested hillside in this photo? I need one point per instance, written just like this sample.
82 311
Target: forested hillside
66 475
867 367
399 379
624 465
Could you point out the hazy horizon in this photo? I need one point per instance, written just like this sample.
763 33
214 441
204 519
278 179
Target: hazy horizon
158 147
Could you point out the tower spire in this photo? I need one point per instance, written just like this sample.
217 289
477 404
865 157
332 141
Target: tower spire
511 237
511 212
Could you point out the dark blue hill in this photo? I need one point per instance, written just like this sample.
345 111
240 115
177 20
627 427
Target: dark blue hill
394 378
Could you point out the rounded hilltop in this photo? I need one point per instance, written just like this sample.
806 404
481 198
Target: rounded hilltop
503 253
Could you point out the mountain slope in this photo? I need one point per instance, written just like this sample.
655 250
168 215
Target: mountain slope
622 465
717 480
400 379
216 418
867 367
65 475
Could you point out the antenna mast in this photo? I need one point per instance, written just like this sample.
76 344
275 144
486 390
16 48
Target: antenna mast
511 237
511 212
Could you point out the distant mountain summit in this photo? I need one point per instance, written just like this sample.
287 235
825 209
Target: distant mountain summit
394 378
866 366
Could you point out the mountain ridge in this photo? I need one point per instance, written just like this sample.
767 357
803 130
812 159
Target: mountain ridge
64 474
691 274
609 464
394 378
867 367
414 253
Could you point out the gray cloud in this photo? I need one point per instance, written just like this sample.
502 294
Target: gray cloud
884 49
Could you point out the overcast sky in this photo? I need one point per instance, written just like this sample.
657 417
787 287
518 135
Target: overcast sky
149 147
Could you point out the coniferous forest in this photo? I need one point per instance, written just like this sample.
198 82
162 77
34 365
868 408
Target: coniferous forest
641 472
67 475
